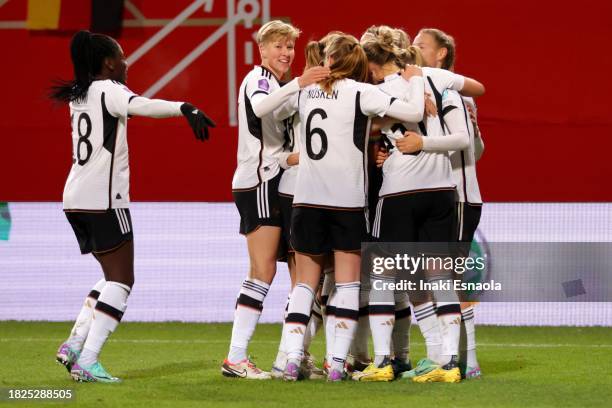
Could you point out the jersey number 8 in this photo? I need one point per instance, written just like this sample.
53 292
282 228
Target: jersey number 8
84 138
317 131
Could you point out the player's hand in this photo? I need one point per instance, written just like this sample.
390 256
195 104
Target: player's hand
411 70
313 75
430 106
473 118
472 112
381 156
410 143
198 121
293 159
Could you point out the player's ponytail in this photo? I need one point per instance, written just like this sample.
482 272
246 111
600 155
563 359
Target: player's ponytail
348 60
87 52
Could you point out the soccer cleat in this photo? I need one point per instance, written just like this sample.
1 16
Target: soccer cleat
243 369
276 373
470 373
92 373
448 373
67 356
335 376
292 371
354 364
400 366
424 366
373 373
326 367
309 370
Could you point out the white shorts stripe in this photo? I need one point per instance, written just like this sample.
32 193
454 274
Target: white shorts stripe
377 217
121 226
266 201
259 202
126 220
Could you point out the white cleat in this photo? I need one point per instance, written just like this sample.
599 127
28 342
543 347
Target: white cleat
244 369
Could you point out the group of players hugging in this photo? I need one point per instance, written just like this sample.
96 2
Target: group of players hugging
306 193
376 141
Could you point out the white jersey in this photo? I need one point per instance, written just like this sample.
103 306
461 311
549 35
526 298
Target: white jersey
407 173
260 140
292 144
100 175
464 163
333 145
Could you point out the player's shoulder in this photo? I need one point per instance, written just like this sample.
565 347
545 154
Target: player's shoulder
359 86
263 78
436 74
111 86
451 97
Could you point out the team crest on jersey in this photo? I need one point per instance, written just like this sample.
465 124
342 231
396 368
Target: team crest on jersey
263 84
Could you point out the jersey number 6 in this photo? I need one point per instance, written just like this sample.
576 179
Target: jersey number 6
84 138
317 131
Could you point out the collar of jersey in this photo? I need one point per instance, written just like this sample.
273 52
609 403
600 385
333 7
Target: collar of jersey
392 77
271 73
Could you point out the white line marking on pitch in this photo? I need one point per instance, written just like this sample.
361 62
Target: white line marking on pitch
202 341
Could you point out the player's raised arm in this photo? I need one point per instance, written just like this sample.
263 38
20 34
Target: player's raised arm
264 104
159 108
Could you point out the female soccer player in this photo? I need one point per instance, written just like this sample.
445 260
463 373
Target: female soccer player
438 50
96 195
255 183
289 160
330 199
417 195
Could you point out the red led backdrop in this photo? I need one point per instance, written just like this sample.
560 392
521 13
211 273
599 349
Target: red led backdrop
545 117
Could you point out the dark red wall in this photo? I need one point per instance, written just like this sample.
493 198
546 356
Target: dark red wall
545 117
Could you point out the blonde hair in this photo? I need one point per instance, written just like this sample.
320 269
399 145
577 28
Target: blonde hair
384 45
275 29
315 50
443 40
349 61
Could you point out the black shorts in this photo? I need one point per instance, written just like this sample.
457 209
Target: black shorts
101 231
286 207
423 216
317 231
467 218
259 206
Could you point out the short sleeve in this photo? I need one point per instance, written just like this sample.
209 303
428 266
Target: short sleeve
117 98
444 79
450 100
373 101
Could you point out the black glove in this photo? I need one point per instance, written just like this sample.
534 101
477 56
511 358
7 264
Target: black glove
198 121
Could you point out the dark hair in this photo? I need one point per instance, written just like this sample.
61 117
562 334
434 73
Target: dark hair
87 51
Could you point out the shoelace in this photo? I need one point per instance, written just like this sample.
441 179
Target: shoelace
252 366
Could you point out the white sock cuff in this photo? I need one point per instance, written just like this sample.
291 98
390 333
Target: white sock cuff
112 299
99 286
424 310
255 289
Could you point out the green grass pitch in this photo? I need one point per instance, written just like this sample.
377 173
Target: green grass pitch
177 365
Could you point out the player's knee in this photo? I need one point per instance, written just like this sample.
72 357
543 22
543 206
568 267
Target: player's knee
263 271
